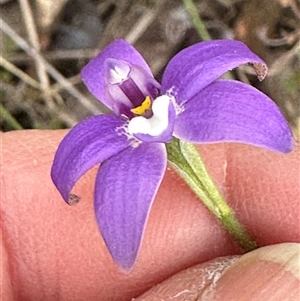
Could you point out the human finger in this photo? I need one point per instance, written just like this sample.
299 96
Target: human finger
268 273
60 246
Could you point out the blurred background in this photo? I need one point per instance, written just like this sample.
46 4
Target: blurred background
45 43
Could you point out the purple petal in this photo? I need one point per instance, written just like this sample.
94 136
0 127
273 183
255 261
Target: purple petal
93 74
90 142
199 65
231 111
125 189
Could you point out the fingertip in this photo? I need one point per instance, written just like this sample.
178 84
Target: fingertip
268 273
190 283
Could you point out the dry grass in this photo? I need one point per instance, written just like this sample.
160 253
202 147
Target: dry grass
43 50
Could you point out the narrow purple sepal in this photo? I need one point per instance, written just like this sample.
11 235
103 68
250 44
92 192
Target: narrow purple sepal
90 142
199 65
231 111
93 74
125 188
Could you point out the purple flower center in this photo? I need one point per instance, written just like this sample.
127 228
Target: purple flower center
131 88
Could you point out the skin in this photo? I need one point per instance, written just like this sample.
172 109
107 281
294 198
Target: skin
52 251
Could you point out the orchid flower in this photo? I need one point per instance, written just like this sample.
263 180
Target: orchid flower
192 103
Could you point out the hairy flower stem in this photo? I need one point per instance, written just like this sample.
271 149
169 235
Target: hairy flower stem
186 161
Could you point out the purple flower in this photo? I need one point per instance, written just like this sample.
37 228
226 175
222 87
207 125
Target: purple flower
192 103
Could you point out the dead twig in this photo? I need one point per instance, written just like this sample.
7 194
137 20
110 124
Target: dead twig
20 74
58 87
140 27
70 54
50 69
282 61
68 120
34 41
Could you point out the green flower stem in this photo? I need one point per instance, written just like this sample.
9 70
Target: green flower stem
186 161
198 24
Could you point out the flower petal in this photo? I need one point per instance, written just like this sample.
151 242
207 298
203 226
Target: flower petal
93 74
90 142
125 189
199 65
231 111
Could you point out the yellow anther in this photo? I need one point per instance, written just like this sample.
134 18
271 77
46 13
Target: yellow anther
146 105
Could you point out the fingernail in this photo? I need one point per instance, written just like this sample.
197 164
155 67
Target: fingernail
188 284
268 273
